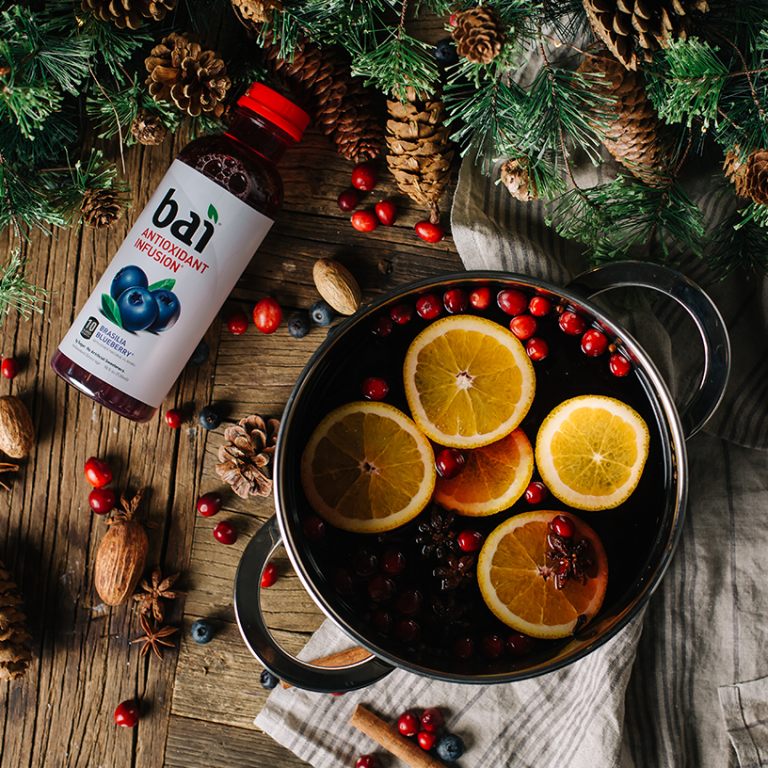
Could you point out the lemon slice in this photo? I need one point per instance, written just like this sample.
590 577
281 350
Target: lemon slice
591 450
367 468
468 381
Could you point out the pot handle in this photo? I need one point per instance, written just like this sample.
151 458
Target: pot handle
263 646
717 352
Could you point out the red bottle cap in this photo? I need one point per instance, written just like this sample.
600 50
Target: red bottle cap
275 108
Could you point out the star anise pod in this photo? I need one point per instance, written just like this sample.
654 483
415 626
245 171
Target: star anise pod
151 600
153 638
571 559
437 536
451 612
455 571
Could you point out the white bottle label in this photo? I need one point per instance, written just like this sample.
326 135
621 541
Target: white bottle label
165 284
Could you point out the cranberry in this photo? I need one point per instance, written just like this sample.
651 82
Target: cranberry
209 504
563 526
364 221
463 647
401 314
537 348
519 644
429 232
449 462
101 500
426 740
432 719
269 577
9 368
225 533
364 176
97 472
407 631
523 326
238 323
174 418
511 301
127 713
386 212
368 761
492 647
348 200
429 306
343 583
536 492
314 529
470 541
408 723
374 389
393 562
382 326
455 301
480 298
382 621
410 602
381 589
594 343
365 564
539 306
572 324
619 365
267 315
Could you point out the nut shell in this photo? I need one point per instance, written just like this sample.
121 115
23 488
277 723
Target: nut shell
120 561
17 435
337 286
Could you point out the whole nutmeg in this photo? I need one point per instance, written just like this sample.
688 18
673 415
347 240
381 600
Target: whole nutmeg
337 286
17 435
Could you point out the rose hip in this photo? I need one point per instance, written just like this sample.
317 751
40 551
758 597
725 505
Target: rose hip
101 500
237 323
432 719
267 315
429 306
523 326
401 314
619 365
374 389
455 301
127 713
539 306
97 472
470 540
572 324
429 232
364 176
449 462
537 348
269 577
225 533
511 301
408 723
364 221
209 504
348 200
386 212
480 298
536 492
594 343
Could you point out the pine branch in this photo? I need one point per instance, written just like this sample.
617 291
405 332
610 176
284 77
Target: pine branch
742 244
16 292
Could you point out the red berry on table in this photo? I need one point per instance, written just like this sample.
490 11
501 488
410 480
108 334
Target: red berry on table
619 365
368 761
348 200
511 301
269 577
572 324
374 389
101 500
9 368
97 472
393 562
238 323
267 315
539 306
209 504
426 740
480 298
314 529
364 176
432 719
519 644
429 306
470 541
408 723
386 212
492 647
594 343
225 533
455 301
536 492
563 526
382 326
429 232
536 348
364 221
449 462
127 713
401 314
523 326
174 418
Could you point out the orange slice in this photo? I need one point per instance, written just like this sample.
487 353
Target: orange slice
591 451
516 577
367 468
494 477
468 381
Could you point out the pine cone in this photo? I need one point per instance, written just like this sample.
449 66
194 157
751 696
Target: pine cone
635 136
182 72
515 177
101 207
127 13
480 34
246 456
420 148
254 12
735 171
756 176
148 128
14 653
652 24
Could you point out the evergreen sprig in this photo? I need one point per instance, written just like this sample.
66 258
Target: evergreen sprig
16 292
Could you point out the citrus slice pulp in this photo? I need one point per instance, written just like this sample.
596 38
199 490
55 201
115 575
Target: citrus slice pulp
591 450
516 576
468 381
367 468
494 477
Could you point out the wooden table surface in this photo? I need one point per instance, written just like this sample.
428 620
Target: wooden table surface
199 703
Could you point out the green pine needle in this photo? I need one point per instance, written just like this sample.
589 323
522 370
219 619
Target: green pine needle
16 292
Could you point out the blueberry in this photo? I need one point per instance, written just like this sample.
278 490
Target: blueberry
200 355
168 309
202 631
450 747
268 680
445 52
208 417
127 277
321 313
138 309
298 325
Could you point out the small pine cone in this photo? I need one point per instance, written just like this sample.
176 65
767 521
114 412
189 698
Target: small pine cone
480 34
180 71
148 128
15 655
246 457
101 207
126 13
254 12
735 171
756 176
515 177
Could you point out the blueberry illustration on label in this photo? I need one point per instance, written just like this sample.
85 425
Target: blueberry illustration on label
138 309
168 309
128 277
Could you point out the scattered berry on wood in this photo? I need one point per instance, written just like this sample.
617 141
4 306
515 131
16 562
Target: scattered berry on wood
102 500
209 504
174 418
348 200
386 212
267 315
321 313
225 533
127 713
269 577
9 367
429 232
97 472
298 325
237 323
364 176
364 221
208 417
202 631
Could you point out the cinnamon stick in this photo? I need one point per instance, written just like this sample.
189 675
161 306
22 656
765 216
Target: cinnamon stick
392 740
340 659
